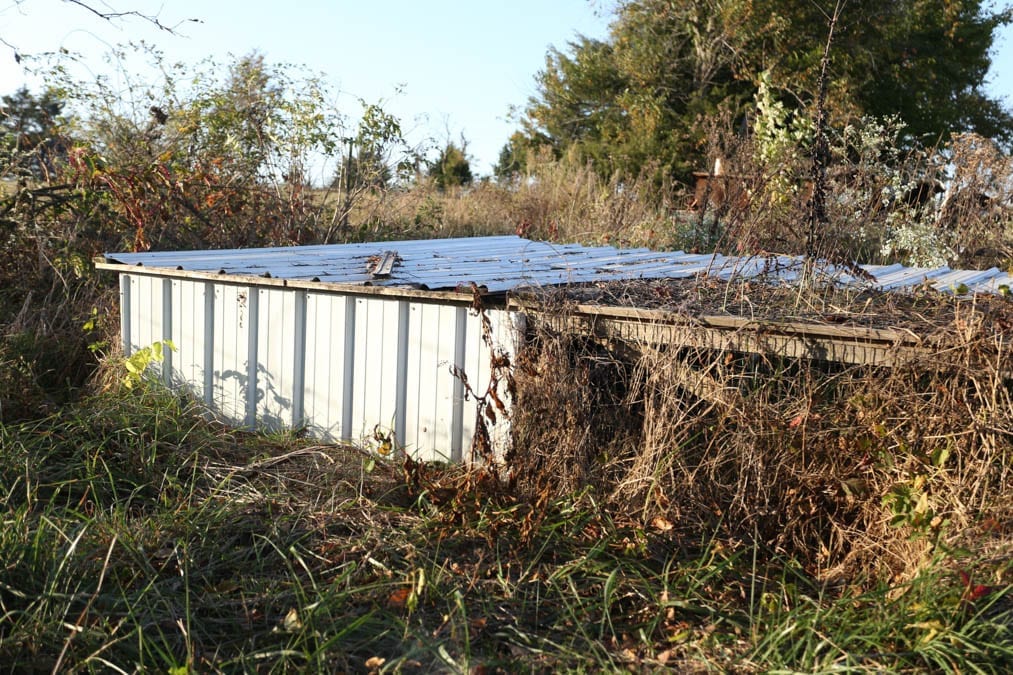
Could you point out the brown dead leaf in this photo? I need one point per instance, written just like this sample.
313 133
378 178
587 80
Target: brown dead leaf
661 524
399 598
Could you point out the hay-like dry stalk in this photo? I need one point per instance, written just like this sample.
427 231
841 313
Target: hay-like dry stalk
853 470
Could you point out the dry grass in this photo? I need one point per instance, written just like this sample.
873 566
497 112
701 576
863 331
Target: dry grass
852 470
559 202
140 537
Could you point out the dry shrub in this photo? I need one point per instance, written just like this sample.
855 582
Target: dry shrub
560 201
852 470
886 202
976 214
565 201
570 416
424 211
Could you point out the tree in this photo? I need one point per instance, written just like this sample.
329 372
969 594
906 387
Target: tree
363 169
640 98
210 156
30 132
512 159
922 60
376 157
451 168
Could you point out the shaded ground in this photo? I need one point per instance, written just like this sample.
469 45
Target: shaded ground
138 536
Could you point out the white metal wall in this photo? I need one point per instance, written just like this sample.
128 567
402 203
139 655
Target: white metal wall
340 366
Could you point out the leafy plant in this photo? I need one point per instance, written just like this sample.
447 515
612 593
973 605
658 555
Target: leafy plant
137 364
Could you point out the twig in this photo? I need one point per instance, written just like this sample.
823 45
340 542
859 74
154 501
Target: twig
821 154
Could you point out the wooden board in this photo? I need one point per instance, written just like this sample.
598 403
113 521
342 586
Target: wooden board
841 344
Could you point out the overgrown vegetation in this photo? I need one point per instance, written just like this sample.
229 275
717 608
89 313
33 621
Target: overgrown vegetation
663 507
140 536
851 470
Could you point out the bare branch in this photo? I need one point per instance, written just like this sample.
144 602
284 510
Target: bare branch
817 218
109 15
113 15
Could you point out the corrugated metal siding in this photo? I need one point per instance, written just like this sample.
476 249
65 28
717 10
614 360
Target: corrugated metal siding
500 264
317 352
432 392
375 388
189 334
339 366
278 404
235 313
330 365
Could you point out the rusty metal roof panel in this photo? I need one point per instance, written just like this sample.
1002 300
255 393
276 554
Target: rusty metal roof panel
502 263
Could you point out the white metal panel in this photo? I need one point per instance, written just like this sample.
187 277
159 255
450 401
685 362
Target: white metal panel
231 340
375 369
276 358
507 331
431 384
126 314
478 368
276 352
190 333
146 315
330 344
342 365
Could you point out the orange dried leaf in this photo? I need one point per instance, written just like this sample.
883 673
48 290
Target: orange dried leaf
399 598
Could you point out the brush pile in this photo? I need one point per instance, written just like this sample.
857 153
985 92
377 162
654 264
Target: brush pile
850 469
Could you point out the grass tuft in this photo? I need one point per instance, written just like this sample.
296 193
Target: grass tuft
139 535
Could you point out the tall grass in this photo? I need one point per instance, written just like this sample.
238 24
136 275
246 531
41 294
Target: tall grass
139 535
559 202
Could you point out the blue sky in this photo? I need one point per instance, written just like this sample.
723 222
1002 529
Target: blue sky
459 64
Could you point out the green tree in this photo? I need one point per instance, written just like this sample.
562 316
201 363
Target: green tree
378 154
522 152
451 168
643 97
211 156
924 61
365 168
373 160
30 132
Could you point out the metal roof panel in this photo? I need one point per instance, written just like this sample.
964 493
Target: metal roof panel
502 263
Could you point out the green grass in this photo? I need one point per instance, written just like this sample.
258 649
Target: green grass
137 536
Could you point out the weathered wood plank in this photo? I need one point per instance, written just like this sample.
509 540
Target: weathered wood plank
743 340
799 328
385 265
